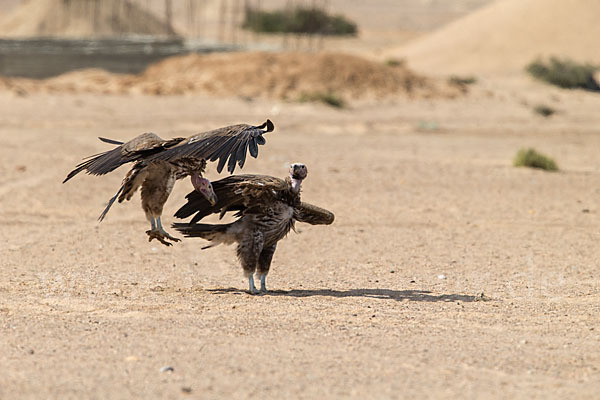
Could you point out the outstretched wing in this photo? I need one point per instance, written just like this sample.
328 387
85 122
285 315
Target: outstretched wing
137 148
229 145
234 193
311 214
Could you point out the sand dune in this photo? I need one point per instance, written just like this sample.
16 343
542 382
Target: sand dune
506 35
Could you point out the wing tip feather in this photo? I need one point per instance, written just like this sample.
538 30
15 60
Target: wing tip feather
110 141
270 126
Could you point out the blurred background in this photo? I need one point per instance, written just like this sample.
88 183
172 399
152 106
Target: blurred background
127 35
405 40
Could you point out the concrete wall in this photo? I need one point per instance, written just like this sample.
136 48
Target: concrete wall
46 57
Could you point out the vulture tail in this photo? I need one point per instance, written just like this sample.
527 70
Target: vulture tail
216 233
110 203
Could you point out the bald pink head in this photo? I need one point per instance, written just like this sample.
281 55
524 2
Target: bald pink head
205 188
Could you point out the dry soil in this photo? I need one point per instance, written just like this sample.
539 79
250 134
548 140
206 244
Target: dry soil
447 273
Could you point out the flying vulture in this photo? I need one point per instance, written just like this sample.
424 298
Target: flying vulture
267 208
158 163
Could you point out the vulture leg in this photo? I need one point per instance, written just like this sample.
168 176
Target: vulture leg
155 191
251 287
154 234
157 232
249 249
264 264
263 283
164 233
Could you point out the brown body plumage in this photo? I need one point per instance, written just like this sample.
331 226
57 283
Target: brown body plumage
158 163
267 207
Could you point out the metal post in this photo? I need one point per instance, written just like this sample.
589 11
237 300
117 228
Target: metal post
222 14
169 17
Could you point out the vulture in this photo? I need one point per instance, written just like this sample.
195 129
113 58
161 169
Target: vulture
158 163
267 208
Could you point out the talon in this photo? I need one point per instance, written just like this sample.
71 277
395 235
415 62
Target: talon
158 236
163 234
164 242
174 239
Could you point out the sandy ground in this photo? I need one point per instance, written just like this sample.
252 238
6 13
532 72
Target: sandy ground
358 310
506 36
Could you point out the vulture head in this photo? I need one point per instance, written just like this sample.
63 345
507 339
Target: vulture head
205 188
298 173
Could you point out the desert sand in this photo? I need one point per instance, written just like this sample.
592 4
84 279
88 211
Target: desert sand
505 36
447 272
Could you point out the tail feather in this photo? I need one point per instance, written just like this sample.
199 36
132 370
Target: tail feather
216 233
110 203
130 184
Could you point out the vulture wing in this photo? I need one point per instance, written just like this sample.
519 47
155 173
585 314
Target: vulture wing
229 145
234 193
137 148
313 215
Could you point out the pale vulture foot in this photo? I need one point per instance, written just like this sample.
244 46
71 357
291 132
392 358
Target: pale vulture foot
251 288
161 236
263 283
157 232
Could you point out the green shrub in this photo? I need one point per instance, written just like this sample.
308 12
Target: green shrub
394 62
532 159
565 73
329 98
462 80
428 126
266 22
544 110
301 20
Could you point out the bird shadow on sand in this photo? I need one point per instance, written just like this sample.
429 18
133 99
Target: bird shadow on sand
383 294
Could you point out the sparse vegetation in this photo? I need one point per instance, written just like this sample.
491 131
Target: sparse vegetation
428 126
300 20
462 80
544 110
529 157
329 98
394 62
565 73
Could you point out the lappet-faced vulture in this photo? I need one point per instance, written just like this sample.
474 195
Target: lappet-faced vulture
267 208
158 163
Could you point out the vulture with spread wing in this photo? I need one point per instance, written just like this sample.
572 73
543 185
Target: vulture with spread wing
267 207
158 163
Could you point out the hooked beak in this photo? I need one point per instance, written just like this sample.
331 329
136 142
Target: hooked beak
210 194
205 188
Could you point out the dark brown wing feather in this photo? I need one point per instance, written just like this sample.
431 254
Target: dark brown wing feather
138 148
234 193
311 214
229 145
